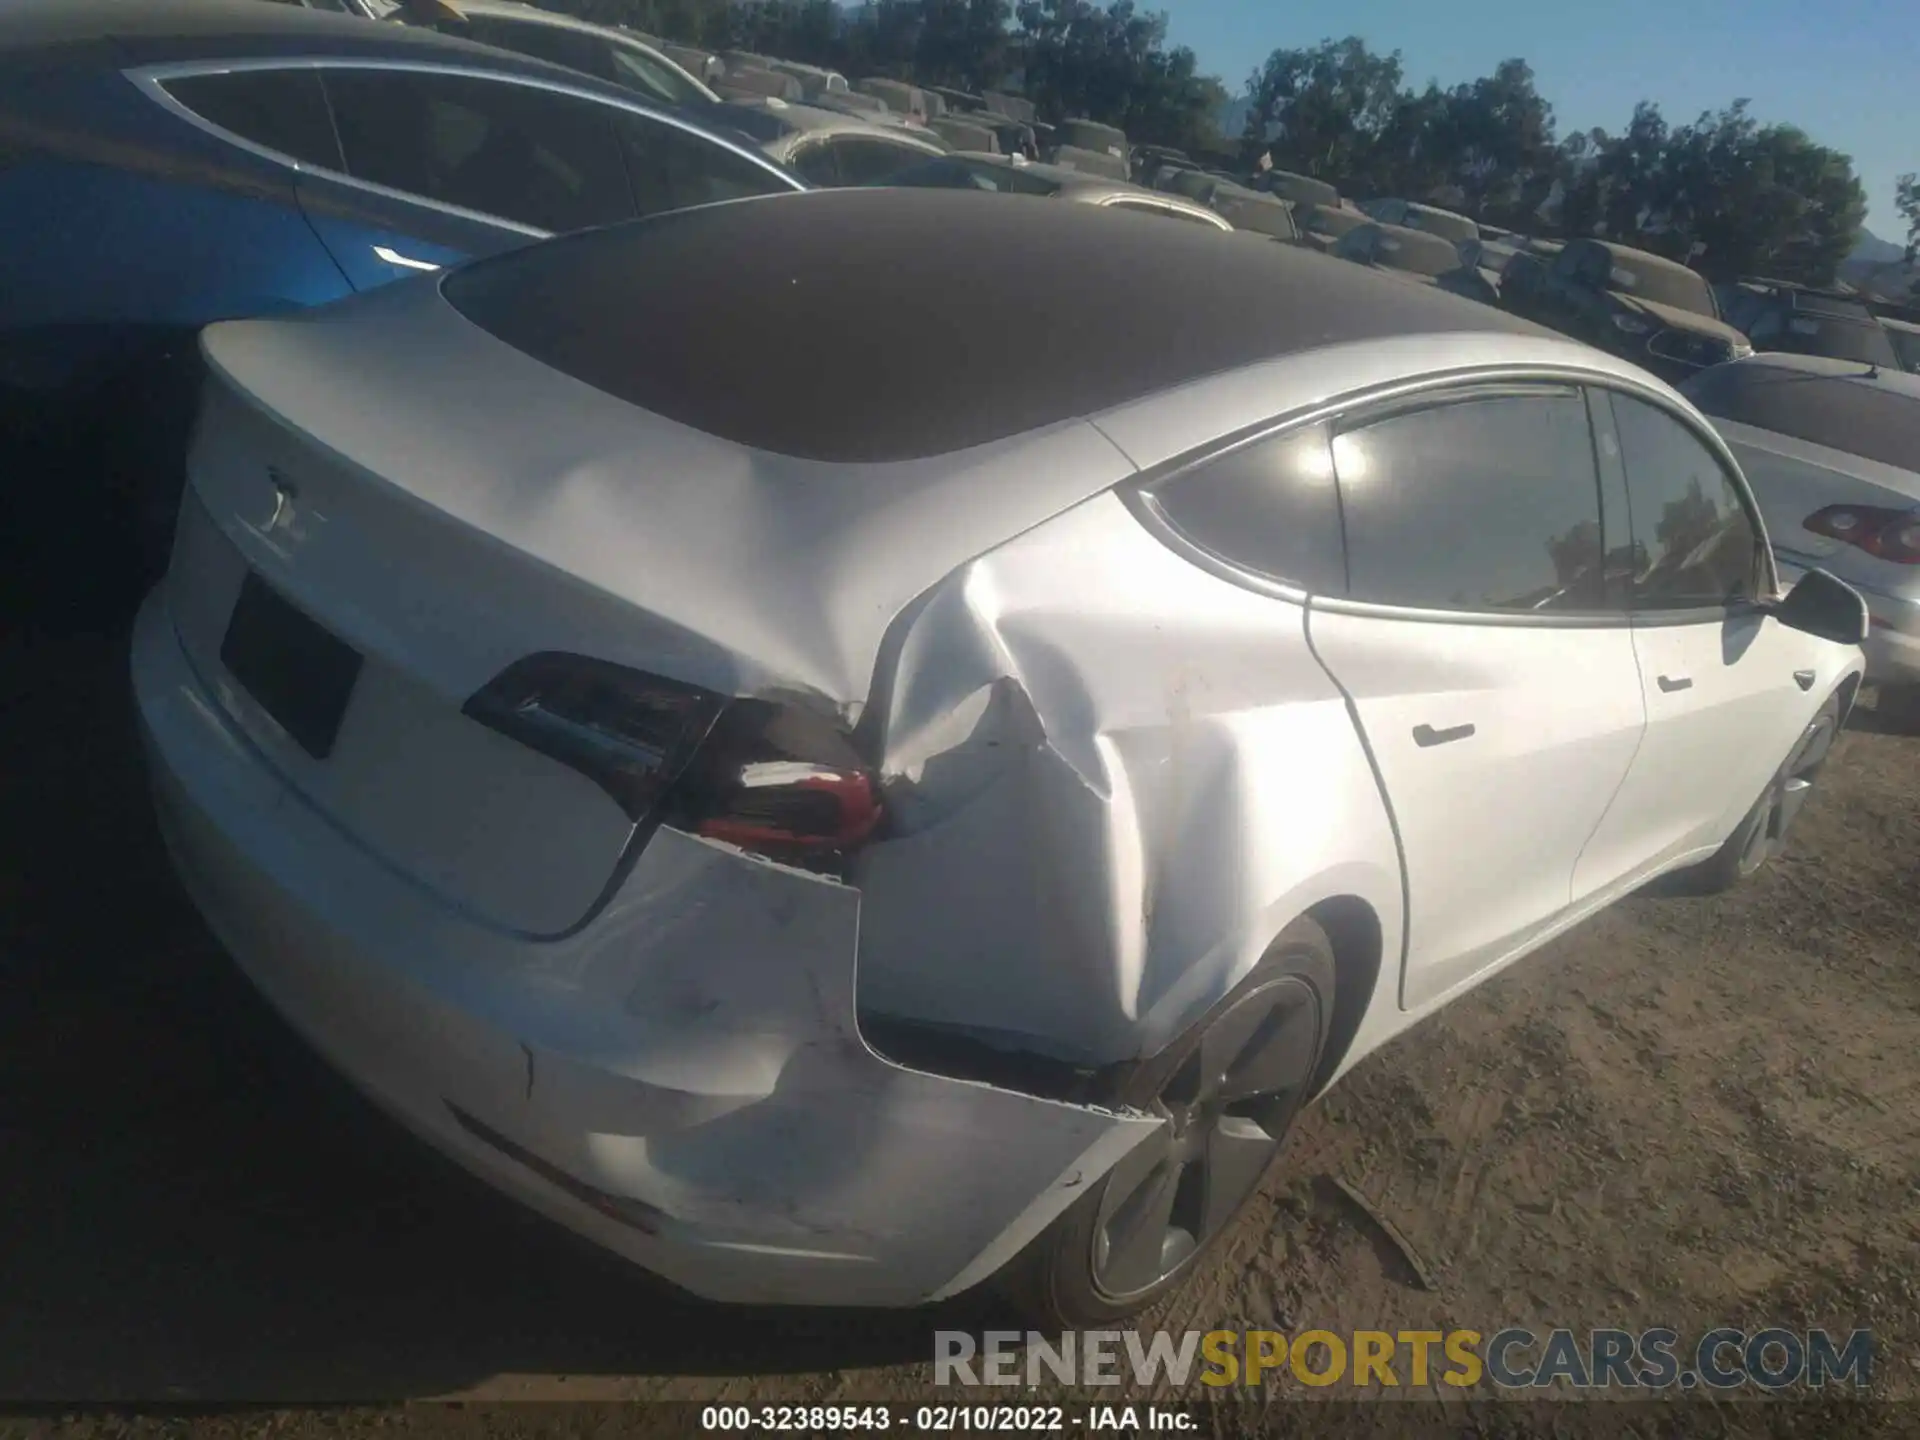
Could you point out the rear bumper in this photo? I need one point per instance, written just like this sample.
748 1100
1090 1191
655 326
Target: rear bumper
683 1081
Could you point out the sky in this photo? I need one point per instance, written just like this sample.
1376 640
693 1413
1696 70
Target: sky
1845 71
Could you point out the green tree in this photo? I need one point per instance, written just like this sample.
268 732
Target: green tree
1906 199
1764 199
1495 143
1726 193
1112 65
963 43
1326 111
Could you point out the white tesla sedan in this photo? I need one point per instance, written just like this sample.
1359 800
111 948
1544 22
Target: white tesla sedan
833 833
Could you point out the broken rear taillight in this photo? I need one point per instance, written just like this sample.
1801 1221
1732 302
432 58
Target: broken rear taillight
782 781
776 779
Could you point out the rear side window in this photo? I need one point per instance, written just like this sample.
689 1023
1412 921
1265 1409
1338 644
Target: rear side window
1270 507
1478 504
1694 545
525 154
1851 415
673 169
282 110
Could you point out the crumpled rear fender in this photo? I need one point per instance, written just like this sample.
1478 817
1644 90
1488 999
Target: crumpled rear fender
1112 777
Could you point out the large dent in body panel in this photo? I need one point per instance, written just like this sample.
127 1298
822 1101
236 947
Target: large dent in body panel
695 1049
724 1078
1111 778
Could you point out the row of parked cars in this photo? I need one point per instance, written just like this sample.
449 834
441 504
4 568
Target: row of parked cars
298 157
793 802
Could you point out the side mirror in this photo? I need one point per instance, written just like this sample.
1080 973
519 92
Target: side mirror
1824 606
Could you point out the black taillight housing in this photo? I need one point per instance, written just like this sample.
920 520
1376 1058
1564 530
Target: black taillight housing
777 779
629 732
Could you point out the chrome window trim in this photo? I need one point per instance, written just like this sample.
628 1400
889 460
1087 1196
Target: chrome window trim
151 80
1377 403
606 35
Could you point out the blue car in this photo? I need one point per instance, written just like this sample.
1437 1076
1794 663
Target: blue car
168 163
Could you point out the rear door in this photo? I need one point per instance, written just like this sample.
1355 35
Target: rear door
1718 673
1493 676
443 166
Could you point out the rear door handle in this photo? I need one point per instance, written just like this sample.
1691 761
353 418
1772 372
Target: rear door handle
1804 679
405 262
1426 735
1671 683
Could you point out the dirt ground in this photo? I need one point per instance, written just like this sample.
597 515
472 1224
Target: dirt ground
1687 1113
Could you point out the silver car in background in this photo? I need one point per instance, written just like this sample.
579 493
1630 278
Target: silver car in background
1832 449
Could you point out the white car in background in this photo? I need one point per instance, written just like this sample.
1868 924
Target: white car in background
835 835
1832 450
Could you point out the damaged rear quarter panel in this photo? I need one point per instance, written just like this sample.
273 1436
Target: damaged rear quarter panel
1112 778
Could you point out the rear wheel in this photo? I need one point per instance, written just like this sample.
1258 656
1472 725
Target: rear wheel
1763 831
1228 1091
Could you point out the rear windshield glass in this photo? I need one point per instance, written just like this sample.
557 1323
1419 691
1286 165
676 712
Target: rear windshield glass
1663 284
1853 416
1861 340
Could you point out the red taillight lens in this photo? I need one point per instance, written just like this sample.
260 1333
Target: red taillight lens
629 732
780 781
1885 534
784 782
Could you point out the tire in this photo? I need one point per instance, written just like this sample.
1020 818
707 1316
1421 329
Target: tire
1205 1164
1762 831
